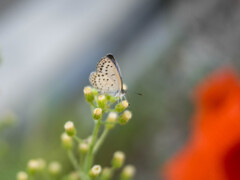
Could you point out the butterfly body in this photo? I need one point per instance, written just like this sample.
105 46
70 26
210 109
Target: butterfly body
108 78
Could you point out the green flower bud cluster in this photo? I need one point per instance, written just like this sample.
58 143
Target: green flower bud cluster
118 160
102 104
107 112
38 167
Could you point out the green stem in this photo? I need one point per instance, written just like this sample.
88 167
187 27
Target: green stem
89 158
73 160
77 139
92 103
101 140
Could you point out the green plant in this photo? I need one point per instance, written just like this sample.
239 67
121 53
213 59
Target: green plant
6 121
102 106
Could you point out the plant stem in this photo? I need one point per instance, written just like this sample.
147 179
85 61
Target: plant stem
101 140
92 103
89 158
77 139
74 161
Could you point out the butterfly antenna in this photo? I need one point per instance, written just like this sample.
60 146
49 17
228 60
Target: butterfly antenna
140 94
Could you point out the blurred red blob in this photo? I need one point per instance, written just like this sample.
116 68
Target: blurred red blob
213 150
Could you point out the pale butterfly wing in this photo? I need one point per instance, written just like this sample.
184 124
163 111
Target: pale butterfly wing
103 83
108 78
109 66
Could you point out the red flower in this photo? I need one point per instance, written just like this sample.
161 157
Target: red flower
213 150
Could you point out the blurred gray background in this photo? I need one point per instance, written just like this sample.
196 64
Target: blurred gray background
164 47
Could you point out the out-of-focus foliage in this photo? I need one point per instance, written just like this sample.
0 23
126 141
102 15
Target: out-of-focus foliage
6 121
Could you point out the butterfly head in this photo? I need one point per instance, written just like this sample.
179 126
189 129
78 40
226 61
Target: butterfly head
123 92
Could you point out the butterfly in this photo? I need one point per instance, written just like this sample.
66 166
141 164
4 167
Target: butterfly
108 78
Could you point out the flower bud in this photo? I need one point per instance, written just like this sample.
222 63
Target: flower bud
106 174
95 171
54 168
111 99
67 141
33 166
42 164
121 106
102 101
89 139
125 117
97 113
22 175
128 172
69 128
95 92
73 176
118 159
88 93
83 147
111 119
